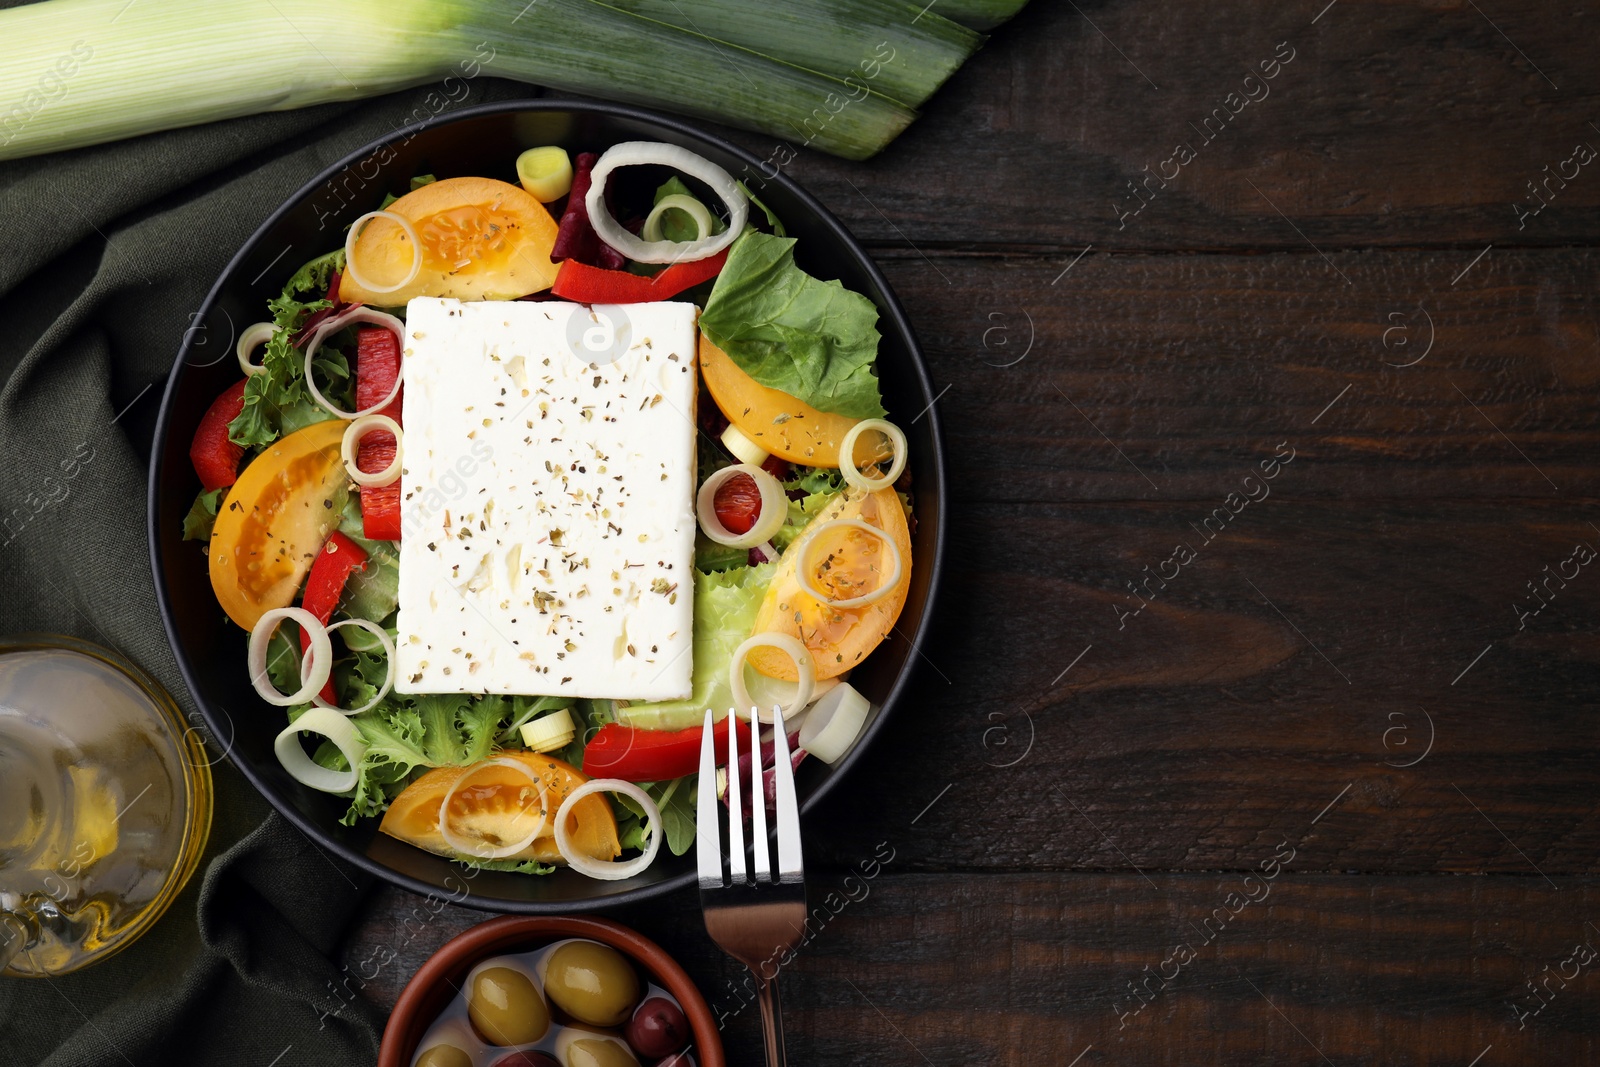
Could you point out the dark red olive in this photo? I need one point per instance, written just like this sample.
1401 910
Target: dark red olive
527 1059
657 1028
681 1059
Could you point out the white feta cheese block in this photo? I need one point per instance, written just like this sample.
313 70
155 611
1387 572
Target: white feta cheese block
547 499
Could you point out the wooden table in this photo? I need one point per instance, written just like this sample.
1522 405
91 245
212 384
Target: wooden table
1260 725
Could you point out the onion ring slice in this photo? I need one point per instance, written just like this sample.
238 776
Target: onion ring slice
774 508
358 313
253 338
805 675
804 574
466 848
847 454
336 728
354 272
632 153
321 653
608 870
388 680
359 427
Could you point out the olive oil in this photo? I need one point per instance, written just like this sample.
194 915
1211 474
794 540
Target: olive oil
105 804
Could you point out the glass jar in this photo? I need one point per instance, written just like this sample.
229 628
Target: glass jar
105 803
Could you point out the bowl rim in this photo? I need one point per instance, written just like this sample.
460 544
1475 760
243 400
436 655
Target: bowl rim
496 936
889 308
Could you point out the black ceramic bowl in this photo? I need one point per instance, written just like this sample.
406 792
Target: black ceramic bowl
485 141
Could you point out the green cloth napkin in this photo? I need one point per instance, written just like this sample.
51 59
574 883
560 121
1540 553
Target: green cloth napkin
105 254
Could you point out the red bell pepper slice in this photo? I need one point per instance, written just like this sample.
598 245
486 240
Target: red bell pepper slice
377 369
638 755
325 584
215 458
584 284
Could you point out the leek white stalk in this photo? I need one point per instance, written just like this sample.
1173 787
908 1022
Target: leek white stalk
81 72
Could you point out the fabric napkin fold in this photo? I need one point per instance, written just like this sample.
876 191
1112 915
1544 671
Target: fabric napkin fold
105 255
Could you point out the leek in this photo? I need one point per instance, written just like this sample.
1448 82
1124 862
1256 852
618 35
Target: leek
978 14
82 72
897 47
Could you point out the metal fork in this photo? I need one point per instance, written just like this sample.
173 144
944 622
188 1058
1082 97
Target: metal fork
754 915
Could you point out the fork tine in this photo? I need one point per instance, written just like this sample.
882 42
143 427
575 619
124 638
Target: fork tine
790 864
708 832
758 804
736 867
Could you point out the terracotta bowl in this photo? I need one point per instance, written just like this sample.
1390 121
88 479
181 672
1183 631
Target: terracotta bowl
436 981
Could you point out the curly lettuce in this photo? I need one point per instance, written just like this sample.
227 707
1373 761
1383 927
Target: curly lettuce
278 402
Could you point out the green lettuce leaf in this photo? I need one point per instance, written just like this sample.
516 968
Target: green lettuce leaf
812 339
772 220
203 515
725 608
373 592
676 801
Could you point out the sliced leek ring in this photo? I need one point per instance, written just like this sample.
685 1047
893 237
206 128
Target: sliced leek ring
320 654
847 454
608 870
742 448
336 728
359 313
805 574
253 338
348 447
677 202
384 641
549 732
805 672
354 271
546 173
482 849
834 722
774 507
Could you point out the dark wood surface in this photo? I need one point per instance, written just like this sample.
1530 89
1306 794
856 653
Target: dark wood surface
1340 689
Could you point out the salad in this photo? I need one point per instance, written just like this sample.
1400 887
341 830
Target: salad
530 484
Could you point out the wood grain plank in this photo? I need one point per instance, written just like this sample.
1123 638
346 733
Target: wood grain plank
1177 969
1171 377
1312 649
1394 124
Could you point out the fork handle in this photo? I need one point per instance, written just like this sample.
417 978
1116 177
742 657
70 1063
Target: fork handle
771 1021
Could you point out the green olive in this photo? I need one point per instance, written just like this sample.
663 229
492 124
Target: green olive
444 1056
506 1008
593 983
596 1051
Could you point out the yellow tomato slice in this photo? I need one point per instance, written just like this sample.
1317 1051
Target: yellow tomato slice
780 424
274 521
481 239
837 638
495 805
